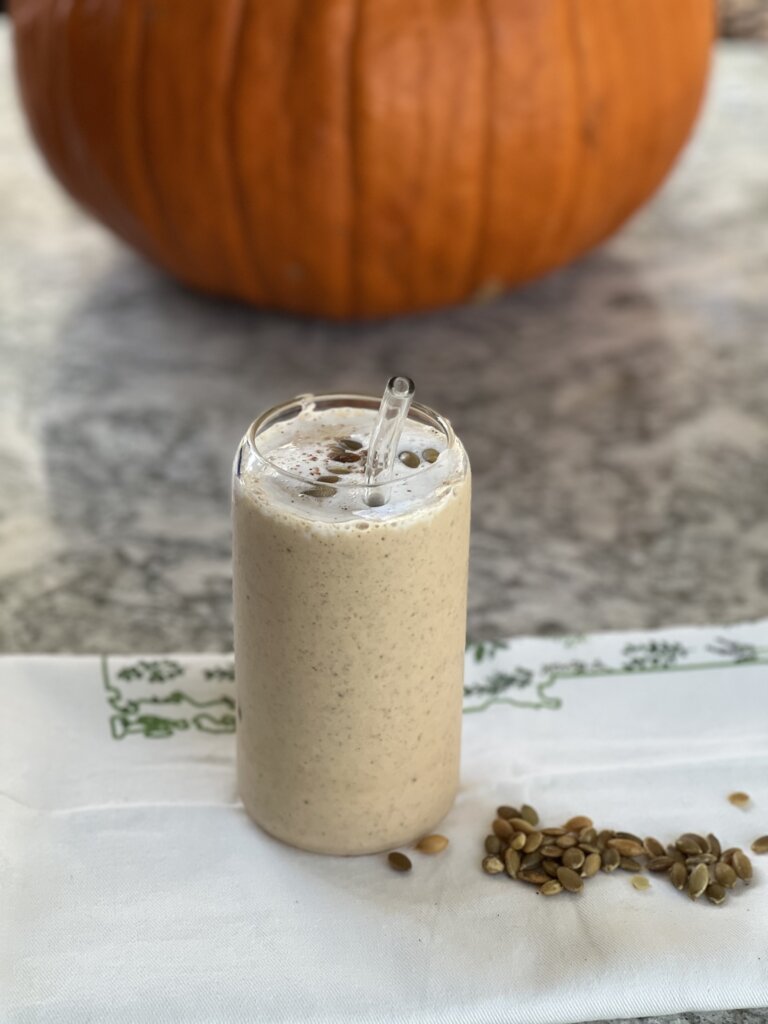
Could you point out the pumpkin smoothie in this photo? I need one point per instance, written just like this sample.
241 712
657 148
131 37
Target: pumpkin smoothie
349 626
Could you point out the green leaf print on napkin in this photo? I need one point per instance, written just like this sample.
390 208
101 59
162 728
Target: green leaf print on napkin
141 709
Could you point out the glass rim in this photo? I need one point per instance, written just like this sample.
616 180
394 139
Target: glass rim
349 400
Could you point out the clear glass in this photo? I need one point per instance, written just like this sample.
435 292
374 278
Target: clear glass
349 643
248 454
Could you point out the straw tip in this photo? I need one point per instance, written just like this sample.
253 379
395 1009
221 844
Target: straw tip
401 386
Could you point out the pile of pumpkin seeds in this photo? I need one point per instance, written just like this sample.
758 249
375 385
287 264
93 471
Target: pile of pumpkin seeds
563 857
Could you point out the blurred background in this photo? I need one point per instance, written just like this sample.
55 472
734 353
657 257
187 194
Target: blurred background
614 410
743 19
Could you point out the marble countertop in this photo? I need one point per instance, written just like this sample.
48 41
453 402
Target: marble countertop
615 414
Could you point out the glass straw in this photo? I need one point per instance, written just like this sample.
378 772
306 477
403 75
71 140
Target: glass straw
385 437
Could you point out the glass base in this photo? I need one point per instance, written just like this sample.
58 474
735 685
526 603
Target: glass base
350 848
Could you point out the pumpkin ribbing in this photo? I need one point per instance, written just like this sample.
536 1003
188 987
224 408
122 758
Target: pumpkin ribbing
355 159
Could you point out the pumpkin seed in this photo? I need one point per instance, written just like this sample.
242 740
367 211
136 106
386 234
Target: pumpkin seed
534 875
653 847
328 479
409 459
627 847
343 470
550 866
715 893
521 825
551 888
727 854
592 864
399 862
674 853
517 842
507 812
630 864
700 841
760 845
432 844
678 875
739 799
565 841
569 879
725 875
550 850
702 858
688 846
698 881
631 836
714 844
611 860
573 858
512 863
350 444
502 828
604 836
529 814
640 882
553 831
742 865
531 860
577 823
492 845
345 457
533 842
588 835
492 865
662 863
431 455
589 848
320 491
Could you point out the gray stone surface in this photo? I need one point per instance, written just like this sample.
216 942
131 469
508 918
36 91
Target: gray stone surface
616 415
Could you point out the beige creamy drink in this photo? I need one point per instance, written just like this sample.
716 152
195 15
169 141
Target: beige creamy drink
349 627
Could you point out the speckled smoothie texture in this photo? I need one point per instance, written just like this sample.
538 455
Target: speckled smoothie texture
349 647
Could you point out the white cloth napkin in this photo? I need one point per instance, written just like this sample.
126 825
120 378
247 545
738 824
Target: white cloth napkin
134 888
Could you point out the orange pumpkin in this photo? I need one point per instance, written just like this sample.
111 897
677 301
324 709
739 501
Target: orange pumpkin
361 157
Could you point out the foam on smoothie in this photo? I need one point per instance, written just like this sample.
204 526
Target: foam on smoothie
298 452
